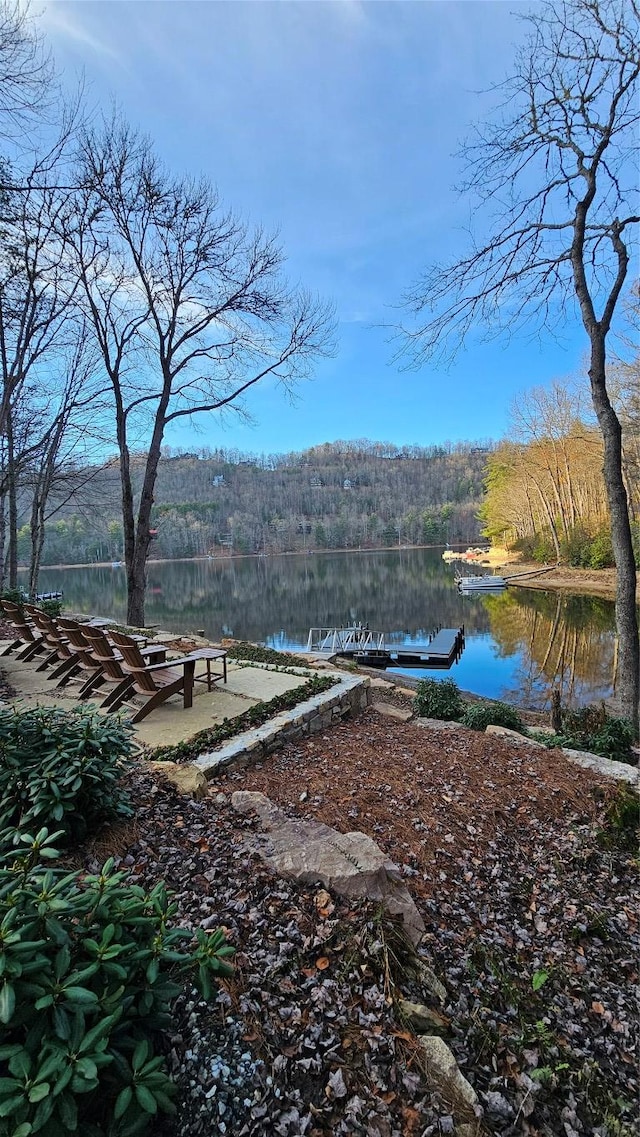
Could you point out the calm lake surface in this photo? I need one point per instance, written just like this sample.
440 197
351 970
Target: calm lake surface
517 644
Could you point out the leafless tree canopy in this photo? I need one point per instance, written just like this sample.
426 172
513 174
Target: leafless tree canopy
25 71
563 146
189 307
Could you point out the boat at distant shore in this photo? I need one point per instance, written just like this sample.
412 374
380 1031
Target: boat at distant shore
481 583
471 554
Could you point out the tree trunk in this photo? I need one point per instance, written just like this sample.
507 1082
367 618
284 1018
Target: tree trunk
3 526
37 526
628 690
137 568
12 557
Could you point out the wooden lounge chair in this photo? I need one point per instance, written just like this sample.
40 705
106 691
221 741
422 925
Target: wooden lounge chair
109 660
156 681
28 642
60 653
84 660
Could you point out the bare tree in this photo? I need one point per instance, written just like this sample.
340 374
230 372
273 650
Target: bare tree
36 285
58 469
25 72
557 171
189 307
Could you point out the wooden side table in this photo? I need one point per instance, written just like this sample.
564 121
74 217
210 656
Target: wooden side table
209 654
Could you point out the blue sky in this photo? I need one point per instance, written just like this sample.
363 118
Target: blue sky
336 123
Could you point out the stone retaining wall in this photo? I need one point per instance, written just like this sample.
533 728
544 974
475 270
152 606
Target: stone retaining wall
350 693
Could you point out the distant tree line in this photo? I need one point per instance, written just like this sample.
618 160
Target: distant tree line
219 502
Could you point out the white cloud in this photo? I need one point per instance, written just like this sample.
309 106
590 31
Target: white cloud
61 21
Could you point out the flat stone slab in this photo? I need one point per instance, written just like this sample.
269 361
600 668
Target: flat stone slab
420 1017
440 724
350 864
445 1073
186 778
512 735
618 770
392 712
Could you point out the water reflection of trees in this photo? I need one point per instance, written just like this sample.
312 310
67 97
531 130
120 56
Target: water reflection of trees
410 591
563 641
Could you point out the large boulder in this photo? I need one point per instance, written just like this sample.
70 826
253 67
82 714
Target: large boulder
187 779
350 864
392 712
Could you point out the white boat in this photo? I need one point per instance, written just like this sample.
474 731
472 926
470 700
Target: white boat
480 583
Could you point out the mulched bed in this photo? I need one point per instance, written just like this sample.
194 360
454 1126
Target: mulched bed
498 844
531 926
303 1039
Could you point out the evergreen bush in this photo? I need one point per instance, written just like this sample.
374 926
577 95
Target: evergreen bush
61 769
591 728
601 552
621 820
438 699
478 716
90 966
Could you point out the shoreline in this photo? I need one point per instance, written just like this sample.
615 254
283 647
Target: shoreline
225 558
563 578
586 582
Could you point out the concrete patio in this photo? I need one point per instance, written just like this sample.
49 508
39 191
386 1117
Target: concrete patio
170 723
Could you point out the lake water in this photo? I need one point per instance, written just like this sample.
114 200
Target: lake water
518 643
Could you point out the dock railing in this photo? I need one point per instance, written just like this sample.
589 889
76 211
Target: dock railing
337 641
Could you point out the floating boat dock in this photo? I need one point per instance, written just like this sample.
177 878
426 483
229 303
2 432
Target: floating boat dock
371 648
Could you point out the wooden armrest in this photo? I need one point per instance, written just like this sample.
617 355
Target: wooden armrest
167 663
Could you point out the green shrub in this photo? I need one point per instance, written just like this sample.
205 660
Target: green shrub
544 550
90 966
61 769
621 820
18 596
53 608
576 547
591 728
635 537
438 699
601 553
14 595
478 716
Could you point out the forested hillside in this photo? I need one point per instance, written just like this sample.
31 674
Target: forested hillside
545 490
341 495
